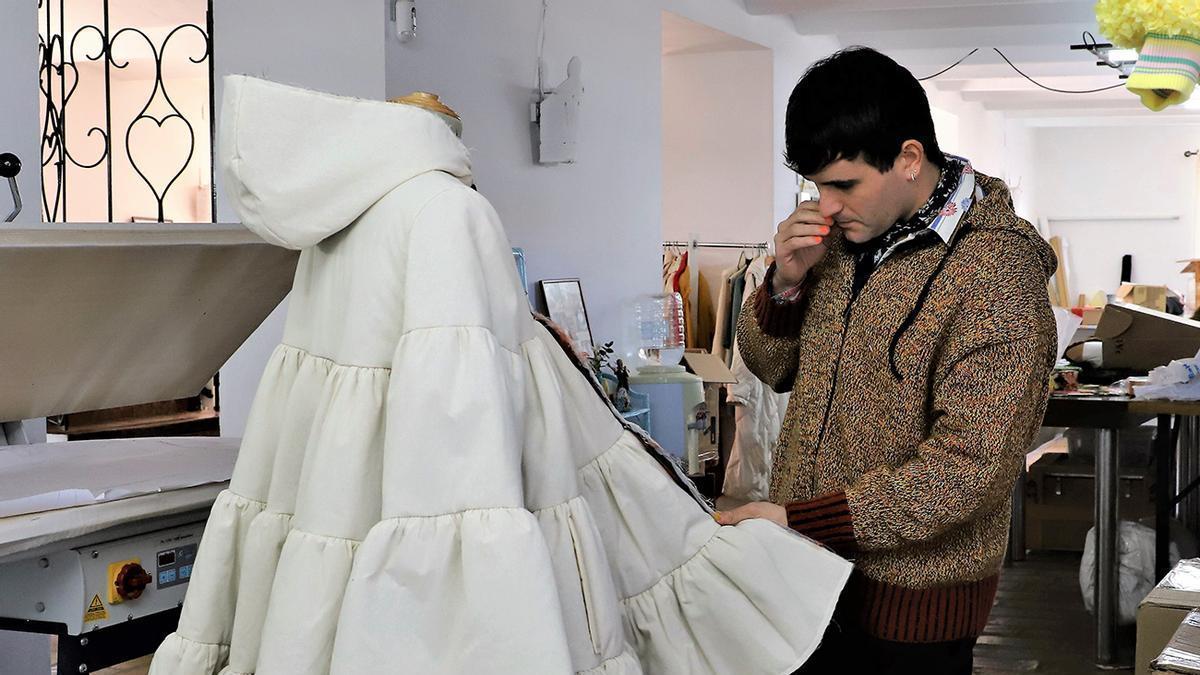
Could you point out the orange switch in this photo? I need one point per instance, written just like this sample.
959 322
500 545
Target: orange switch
127 580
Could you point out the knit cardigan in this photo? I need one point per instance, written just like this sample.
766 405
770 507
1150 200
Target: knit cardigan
912 408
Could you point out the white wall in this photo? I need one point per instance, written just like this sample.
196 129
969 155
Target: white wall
20 132
997 146
601 218
718 149
1021 174
1136 173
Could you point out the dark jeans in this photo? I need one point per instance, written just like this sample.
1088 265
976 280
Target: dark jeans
846 649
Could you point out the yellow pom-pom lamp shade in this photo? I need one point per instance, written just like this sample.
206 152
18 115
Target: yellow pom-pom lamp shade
1166 34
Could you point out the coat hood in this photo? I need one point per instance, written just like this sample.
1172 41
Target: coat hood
995 212
302 165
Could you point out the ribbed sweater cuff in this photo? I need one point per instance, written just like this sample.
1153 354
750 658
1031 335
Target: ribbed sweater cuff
777 319
825 519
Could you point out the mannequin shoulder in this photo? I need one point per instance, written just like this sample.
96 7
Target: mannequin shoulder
434 190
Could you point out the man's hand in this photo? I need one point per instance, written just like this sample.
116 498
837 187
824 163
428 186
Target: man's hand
799 245
765 510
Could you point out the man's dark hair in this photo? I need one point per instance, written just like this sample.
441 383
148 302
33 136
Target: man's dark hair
857 103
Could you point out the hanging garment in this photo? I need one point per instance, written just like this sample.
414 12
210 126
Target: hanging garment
758 416
670 265
722 314
737 287
705 302
429 484
683 286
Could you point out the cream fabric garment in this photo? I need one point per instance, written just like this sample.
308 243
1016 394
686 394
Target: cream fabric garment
758 414
428 484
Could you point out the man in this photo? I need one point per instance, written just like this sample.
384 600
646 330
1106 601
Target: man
907 313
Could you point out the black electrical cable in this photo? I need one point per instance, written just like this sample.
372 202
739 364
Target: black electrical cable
947 68
1012 65
1060 91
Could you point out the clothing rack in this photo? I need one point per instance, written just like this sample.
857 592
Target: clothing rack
715 244
691 299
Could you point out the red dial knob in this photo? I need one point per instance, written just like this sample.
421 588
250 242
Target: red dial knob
131 581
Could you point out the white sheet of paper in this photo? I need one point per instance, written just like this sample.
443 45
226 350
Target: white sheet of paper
47 476
1068 323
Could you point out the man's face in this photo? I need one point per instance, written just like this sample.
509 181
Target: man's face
862 202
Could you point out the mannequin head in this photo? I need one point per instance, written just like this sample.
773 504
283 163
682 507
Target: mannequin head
431 103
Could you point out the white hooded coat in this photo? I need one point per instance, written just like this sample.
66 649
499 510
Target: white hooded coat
428 484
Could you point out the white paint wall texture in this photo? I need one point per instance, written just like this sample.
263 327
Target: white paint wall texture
1138 174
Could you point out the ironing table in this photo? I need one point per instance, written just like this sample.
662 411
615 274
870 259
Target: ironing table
97 537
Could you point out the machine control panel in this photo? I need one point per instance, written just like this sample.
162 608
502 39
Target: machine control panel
174 565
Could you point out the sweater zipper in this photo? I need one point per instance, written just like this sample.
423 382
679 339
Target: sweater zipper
837 366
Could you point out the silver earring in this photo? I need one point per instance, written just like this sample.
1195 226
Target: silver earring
912 176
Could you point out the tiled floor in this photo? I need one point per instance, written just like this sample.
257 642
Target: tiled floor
1039 624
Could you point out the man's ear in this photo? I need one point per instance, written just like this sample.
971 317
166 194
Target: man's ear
911 158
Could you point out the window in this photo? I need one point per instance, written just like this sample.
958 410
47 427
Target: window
126 110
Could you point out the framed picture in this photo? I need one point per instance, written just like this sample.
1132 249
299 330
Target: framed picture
564 305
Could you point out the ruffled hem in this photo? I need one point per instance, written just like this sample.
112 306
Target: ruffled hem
520 590
471 592
212 595
178 655
264 543
755 599
648 525
625 663
305 602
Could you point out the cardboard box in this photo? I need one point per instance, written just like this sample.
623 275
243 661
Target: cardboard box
1159 615
1150 297
1182 653
1193 268
1060 499
1141 339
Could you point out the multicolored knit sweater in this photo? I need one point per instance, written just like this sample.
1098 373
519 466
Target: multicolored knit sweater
912 408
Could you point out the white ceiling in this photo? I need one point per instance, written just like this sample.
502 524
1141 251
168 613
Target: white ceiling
684 36
929 35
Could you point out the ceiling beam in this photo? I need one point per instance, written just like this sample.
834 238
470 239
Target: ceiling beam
1013 41
797 6
1043 121
1006 103
1176 114
968 72
832 22
1018 84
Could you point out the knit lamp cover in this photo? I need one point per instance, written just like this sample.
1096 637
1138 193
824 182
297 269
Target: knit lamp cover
1166 34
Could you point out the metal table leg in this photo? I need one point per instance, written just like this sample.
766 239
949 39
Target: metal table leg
1016 532
1105 600
1164 453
